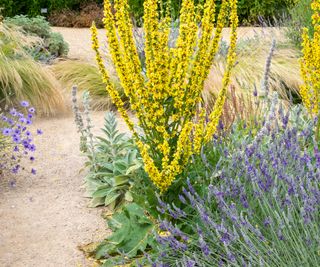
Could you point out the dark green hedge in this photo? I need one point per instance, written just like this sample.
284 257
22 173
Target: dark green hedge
33 7
249 10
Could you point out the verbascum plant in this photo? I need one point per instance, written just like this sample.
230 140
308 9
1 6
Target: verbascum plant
166 94
310 66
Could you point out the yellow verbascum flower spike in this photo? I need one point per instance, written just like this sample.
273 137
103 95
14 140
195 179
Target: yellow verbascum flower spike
310 67
166 92
310 63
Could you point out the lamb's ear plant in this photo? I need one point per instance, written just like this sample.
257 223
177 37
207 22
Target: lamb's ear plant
116 160
112 158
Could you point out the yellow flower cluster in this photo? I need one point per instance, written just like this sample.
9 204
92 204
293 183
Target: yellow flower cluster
310 64
165 94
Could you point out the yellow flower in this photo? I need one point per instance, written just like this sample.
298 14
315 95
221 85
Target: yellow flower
310 64
166 92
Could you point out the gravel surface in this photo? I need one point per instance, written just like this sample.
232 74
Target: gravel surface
80 39
45 217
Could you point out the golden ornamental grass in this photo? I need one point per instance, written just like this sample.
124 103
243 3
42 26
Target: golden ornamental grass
21 78
87 77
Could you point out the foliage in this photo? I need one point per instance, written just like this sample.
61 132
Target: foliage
33 7
16 139
300 17
112 159
22 78
263 209
87 76
166 96
132 235
89 12
52 44
116 161
249 11
310 66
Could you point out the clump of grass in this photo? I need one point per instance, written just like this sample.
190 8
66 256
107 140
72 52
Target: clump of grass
23 78
87 77
249 70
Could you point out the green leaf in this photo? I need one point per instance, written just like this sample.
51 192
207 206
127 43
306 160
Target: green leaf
132 234
128 197
110 198
103 191
96 202
134 168
120 180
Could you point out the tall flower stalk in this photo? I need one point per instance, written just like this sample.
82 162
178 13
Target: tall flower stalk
165 94
310 67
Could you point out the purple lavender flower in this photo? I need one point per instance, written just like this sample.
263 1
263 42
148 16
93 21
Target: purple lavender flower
265 204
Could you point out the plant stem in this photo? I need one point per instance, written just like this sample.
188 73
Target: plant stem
318 131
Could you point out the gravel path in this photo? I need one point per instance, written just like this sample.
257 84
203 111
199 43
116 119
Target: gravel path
45 217
80 39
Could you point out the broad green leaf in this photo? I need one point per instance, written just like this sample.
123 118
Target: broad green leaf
120 180
110 198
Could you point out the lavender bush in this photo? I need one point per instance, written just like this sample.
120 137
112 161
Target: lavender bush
17 140
262 207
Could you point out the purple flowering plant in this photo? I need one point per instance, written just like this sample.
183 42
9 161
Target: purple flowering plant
262 207
16 139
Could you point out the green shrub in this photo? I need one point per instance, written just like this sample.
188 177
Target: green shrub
300 18
37 26
249 10
52 44
56 45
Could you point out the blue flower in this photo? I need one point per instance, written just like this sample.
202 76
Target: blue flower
13 112
32 110
16 138
6 131
24 104
23 120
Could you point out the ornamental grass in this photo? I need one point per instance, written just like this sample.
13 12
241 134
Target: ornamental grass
23 78
166 94
87 77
